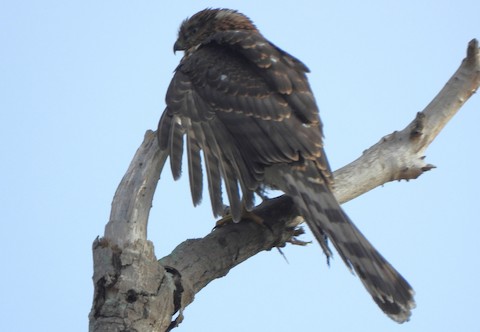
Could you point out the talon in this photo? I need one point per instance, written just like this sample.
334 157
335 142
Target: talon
226 219
246 215
297 242
250 215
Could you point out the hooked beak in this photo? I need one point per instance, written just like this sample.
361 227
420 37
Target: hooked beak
178 46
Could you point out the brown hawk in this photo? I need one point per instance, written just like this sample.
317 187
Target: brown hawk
247 106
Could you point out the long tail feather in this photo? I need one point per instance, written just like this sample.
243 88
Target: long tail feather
310 192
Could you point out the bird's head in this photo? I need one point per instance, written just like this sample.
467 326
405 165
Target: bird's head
197 29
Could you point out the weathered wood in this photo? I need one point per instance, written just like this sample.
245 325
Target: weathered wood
134 291
400 155
133 198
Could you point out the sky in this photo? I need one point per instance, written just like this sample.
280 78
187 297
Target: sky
81 82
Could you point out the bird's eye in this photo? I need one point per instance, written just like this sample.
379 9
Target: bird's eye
190 31
193 30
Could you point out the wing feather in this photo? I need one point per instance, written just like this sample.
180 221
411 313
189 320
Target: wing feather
194 169
163 132
210 153
176 147
234 104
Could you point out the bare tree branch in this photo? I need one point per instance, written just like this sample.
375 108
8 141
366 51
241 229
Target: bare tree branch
133 199
134 291
400 155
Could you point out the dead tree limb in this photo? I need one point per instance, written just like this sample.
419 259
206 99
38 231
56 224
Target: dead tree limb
136 292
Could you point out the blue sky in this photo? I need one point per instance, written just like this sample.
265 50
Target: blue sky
80 83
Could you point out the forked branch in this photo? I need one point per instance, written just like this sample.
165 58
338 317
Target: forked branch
134 291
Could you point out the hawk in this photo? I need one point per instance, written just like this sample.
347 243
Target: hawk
247 107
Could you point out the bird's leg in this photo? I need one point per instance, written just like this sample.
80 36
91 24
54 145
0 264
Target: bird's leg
246 215
262 193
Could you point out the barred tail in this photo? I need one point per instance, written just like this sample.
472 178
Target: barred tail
312 196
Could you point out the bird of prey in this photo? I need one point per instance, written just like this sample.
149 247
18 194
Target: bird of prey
247 107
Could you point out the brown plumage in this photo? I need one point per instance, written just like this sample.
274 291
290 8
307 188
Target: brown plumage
248 107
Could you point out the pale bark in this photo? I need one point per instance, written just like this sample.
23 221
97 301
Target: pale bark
135 292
